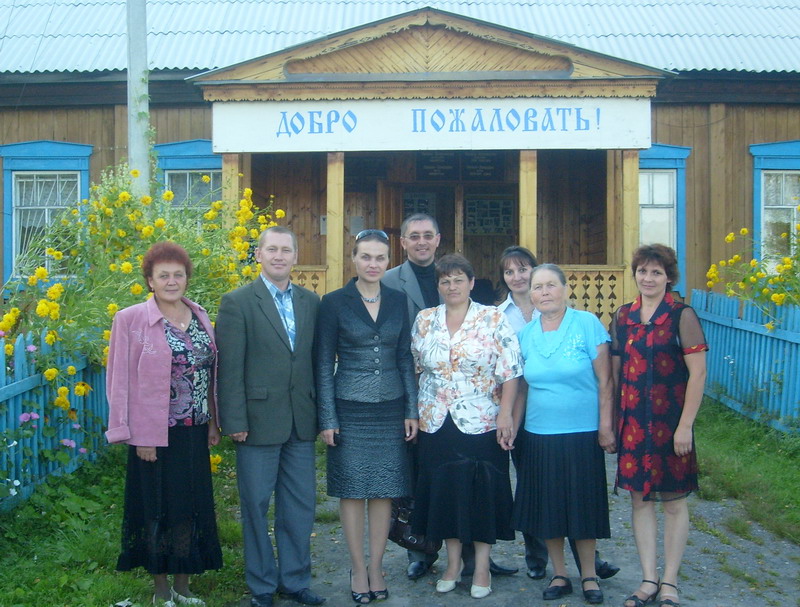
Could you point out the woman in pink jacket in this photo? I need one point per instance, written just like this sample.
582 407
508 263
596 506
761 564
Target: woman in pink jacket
161 395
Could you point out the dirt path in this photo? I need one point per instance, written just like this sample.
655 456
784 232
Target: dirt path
720 568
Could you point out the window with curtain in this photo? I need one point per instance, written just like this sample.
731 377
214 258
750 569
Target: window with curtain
780 197
657 208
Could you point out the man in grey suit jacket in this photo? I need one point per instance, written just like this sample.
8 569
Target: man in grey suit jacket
265 335
420 237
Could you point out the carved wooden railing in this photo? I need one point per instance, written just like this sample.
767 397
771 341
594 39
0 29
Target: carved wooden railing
596 289
313 278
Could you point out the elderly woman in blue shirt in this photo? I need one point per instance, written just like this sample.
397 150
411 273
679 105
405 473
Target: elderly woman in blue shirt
561 488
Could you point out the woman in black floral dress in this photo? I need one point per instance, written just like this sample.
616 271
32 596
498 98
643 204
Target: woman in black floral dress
160 388
658 357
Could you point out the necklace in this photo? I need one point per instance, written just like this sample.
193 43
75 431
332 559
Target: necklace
177 323
370 299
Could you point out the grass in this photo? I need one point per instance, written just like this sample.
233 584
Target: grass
61 546
745 460
743 528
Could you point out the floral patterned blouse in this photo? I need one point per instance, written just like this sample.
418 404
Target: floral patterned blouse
463 374
192 365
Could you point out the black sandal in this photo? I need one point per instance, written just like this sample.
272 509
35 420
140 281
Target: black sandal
639 602
669 602
358 597
379 595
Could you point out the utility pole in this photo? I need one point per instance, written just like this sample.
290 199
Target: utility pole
138 95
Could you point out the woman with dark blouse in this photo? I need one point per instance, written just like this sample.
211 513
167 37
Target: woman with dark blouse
658 354
367 399
160 389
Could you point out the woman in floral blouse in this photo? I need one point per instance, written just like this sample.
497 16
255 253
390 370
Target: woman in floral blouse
469 359
161 389
658 354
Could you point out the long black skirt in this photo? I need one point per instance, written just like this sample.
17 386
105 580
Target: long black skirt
169 524
463 490
561 487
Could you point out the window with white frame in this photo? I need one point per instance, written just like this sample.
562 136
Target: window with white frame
662 201
194 187
780 197
38 198
657 208
40 179
191 170
776 195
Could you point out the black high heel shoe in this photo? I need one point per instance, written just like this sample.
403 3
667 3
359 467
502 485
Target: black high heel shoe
379 595
358 597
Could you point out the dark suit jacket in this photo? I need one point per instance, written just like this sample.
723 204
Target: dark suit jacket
402 278
263 385
374 357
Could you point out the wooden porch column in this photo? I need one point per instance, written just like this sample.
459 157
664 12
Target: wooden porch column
334 245
630 217
230 186
528 205
720 212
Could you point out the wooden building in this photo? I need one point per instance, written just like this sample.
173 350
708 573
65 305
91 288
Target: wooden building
504 136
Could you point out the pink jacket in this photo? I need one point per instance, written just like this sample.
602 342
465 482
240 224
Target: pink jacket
138 375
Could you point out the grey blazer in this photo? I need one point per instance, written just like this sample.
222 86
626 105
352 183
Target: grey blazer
374 356
403 279
264 387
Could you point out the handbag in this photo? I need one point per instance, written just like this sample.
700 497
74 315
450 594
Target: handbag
400 528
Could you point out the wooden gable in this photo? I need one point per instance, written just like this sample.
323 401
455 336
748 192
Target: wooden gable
403 56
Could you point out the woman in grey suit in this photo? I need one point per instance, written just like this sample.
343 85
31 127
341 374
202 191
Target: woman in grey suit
367 406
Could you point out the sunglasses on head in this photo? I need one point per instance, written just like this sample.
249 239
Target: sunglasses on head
371 232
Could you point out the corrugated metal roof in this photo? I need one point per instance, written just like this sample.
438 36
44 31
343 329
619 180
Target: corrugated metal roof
681 35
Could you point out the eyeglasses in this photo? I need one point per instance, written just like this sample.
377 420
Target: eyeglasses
371 232
416 236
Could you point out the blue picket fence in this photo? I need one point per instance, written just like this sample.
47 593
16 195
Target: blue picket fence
47 448
750 368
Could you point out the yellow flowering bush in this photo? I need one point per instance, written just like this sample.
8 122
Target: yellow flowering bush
85 266
766 282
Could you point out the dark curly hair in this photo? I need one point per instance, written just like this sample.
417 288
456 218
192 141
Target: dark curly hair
453 264
165 251
662 255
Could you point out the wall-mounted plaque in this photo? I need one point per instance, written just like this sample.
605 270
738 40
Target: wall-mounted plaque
419 202
361 173
437 166
489 215
483 166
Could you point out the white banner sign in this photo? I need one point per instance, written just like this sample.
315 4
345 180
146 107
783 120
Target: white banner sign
447 124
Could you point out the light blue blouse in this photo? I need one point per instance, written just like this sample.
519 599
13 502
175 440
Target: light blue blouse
562 387
514 314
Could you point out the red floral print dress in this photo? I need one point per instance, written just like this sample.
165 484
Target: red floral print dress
652 383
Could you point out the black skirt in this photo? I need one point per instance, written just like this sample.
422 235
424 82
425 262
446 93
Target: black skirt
561 487
168 525
463 490
371 460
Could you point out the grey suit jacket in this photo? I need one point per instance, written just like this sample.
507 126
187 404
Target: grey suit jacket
263 385
402 278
